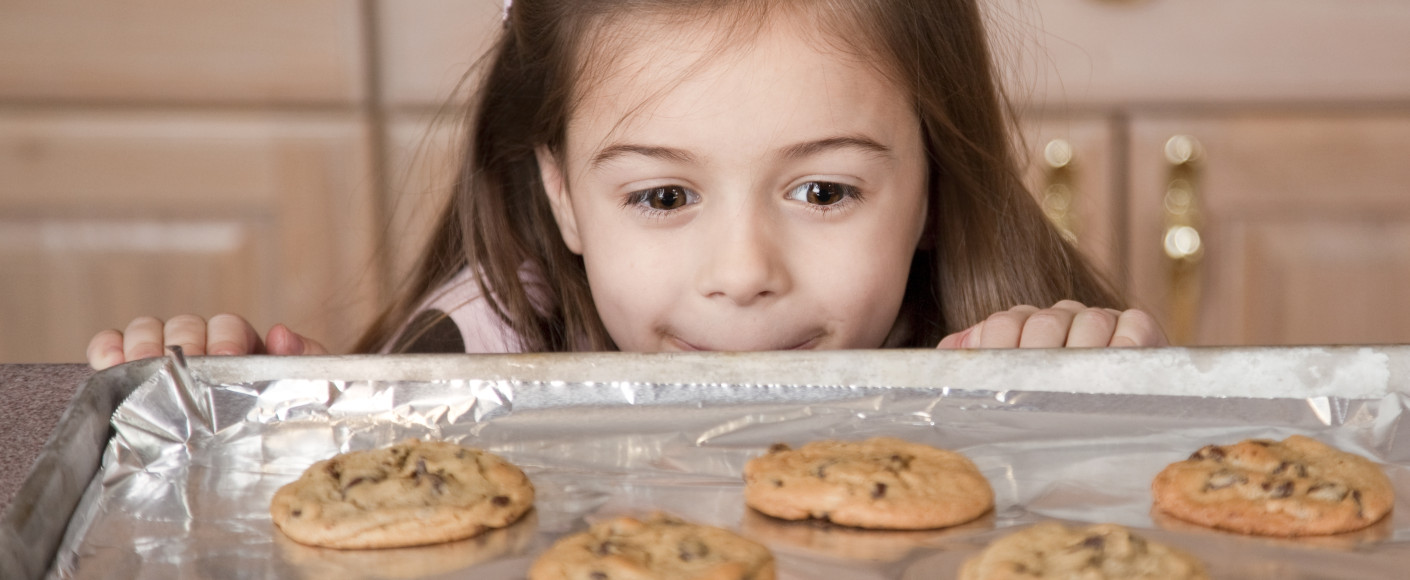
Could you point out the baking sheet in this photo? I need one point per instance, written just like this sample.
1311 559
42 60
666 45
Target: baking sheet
186 479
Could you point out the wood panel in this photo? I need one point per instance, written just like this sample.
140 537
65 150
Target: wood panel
1304 224
424 155
427 46
1091 176
1079 52
108 216
284 51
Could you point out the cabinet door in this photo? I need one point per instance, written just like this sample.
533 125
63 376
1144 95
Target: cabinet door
108 216
1070 167
175 51
1303 223
1102 52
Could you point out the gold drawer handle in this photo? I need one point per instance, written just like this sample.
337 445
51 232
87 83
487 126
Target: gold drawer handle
1182 242
1059 198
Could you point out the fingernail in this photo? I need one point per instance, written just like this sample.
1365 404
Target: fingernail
111 357
971 336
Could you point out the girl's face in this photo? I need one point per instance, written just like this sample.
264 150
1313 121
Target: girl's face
769 199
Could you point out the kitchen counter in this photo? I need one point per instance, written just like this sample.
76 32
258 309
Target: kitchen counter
32 398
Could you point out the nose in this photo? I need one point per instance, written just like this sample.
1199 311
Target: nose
744 261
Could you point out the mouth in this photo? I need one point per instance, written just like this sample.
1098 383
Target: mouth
681 344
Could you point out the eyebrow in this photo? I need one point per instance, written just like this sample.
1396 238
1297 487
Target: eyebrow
811 148
622 149
793 152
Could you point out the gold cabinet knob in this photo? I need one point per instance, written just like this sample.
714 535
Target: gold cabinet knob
1059 192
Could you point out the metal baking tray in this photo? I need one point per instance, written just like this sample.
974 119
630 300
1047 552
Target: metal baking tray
177 483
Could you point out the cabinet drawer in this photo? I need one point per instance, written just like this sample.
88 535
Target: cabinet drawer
1071 170
174 50
105 217
1162 51
1304 222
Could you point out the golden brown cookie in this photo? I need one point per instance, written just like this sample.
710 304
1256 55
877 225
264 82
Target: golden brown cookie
662 547
409 494
847 542
410 563
1098 552
1296 487
882 483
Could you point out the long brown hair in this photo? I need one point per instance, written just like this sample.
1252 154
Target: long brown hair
988 246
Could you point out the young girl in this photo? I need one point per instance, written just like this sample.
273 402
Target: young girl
654 175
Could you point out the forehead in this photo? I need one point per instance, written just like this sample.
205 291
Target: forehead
667 79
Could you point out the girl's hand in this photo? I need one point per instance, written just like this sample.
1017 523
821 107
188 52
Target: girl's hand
1067 323
223 334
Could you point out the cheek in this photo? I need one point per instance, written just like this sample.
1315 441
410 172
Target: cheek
630 276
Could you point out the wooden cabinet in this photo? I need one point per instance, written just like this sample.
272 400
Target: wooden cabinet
105 216
285 158
1304 218
1299 125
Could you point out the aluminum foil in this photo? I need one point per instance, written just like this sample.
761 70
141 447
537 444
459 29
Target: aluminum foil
186 480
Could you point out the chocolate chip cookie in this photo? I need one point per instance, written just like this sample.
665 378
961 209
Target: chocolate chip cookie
409 494
882 483
661 547
1296 487
1098 552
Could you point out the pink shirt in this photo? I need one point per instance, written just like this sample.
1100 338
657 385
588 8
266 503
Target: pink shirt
479 328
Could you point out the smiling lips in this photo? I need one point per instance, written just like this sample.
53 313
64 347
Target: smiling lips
681 344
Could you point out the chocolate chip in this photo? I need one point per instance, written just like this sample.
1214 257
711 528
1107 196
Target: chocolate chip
1288 465
420 467
438 484
355 481
821 470
1356 496
777 447
334 470
1261 442
778 483
691 549
598 575
1222 479
899 461
1094 542
460 454
603 549
1327 491
879 491
1283 489
500 500
297 513
1214 452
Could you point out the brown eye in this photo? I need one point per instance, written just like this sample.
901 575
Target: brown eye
669 197
822 192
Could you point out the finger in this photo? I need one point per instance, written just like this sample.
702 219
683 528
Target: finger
187 331
1003 329
1092 327
1137 328
228 334
283 341
105 350
142 339
1070 306
958 339
1048 328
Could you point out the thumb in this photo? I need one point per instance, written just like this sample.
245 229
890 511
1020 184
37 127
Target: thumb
282 341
